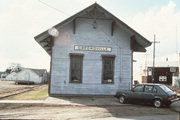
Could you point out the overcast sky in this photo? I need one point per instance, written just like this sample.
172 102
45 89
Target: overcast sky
21 20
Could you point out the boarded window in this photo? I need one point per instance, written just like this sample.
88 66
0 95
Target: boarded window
76 65
108 69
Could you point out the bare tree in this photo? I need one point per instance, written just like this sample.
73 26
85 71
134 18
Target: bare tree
14 67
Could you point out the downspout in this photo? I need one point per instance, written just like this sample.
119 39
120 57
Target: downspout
49 82
132 40
131 86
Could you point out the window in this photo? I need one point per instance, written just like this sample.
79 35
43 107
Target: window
139 88
155 90
148 89
76 65
149 71
172 69
165 88
108 69
162 78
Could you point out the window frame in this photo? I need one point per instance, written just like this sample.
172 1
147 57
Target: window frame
139 86
155 90
102 73
70 75
148 86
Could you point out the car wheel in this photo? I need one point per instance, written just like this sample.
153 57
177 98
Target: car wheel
122 99
157 103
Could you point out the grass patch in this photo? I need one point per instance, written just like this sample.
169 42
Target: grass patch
39 93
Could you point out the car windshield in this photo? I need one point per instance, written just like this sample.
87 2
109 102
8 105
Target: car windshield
165 88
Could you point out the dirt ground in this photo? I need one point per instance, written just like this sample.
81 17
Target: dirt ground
35 93
79 112
8 88
74 112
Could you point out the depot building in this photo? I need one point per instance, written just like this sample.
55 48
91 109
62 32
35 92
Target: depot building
91 54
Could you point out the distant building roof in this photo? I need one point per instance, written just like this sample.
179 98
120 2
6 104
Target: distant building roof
39 72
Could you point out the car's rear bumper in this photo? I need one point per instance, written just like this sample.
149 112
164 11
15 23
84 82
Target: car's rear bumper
171 101
174 100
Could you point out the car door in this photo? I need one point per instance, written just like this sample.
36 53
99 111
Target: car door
136 95
148 94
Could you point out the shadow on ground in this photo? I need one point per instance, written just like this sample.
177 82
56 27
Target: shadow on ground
111 107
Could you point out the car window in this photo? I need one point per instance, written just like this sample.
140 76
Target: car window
155 90
139 88
165 88
148 88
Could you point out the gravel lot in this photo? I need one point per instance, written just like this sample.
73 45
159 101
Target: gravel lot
8 88
75 112
80 112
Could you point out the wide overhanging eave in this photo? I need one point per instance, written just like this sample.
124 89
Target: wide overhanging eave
44 42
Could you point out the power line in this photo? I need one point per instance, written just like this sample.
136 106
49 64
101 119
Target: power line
69 15
54 8
58 10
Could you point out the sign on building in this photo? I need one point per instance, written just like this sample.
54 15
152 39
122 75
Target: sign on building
92 48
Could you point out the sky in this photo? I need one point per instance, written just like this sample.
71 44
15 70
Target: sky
22 20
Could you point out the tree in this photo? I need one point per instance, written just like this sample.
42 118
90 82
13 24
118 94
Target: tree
14 67
8 70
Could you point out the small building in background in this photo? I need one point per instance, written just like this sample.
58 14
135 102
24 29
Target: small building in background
162 75
34 75
11 76
143 79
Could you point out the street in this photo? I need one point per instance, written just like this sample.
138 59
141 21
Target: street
75 112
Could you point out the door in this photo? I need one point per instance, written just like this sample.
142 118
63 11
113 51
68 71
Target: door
148 95
137 93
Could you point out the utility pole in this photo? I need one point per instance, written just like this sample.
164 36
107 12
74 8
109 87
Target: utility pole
145 69
154 42
177 50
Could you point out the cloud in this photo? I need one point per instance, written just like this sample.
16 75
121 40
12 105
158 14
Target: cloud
21 20
88 1
164 23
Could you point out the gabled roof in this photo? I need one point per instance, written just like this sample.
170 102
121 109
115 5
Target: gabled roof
44 39
12 73
39 72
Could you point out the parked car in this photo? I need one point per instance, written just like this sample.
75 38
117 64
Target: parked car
156 94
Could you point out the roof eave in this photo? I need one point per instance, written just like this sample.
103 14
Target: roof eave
145 43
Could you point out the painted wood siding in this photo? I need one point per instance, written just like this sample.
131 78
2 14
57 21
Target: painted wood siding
92 61
11 76
28 75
